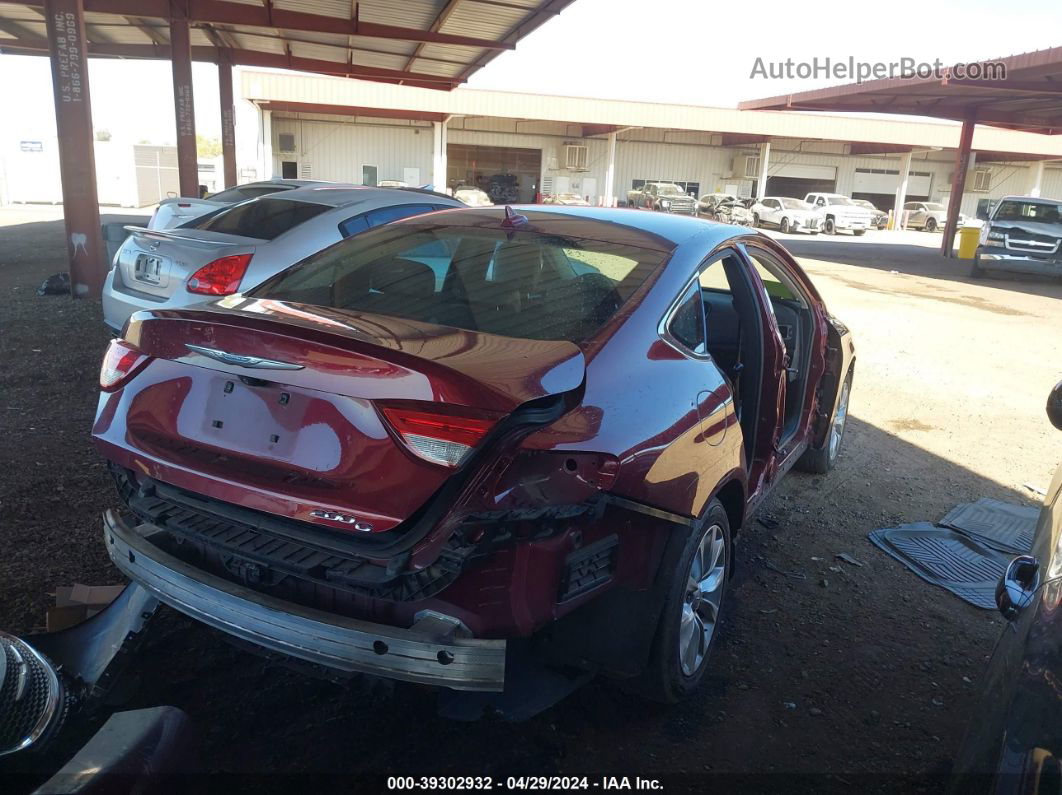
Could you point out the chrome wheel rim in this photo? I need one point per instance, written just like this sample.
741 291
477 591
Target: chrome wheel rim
704 593
839 417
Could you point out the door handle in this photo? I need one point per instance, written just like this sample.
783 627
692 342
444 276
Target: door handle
1017 586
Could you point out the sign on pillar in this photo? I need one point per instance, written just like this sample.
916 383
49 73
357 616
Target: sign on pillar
77 162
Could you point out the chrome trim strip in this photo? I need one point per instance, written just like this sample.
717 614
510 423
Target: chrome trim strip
346 644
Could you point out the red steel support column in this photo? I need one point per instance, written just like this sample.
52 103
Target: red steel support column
183 104
958 184
77 161
228 119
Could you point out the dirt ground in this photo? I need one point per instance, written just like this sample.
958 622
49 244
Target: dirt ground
830 677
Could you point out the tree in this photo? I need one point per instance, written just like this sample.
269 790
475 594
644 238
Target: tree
103 135
207 147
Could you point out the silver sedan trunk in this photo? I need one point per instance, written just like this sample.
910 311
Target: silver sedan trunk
243 245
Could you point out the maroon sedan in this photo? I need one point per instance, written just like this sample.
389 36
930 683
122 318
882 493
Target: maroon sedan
473 435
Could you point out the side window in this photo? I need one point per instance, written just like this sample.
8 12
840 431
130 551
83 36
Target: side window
263 190
385 215
910 206
352 226
686 325
778 283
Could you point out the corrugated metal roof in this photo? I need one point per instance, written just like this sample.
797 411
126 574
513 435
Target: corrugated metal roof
601 113
1019 92
425 43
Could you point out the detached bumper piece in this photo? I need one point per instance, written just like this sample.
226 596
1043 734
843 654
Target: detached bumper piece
433 651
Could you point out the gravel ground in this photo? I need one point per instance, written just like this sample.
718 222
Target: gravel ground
832 676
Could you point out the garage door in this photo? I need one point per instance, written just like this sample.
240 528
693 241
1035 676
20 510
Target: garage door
886 181
506 174
803 171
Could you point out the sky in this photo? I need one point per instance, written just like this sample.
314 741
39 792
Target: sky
691 52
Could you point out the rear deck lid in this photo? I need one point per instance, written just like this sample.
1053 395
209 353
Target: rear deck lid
319 415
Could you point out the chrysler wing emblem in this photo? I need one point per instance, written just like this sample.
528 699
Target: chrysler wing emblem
254 362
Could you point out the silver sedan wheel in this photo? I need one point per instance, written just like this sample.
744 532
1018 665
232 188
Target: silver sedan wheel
704 593
839 417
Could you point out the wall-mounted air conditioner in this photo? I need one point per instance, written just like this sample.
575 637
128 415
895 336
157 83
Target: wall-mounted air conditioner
576 157
980 180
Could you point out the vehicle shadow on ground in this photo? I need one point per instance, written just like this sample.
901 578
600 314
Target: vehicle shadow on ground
915 260
822 668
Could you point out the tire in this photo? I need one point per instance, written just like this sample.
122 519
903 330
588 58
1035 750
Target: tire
931 225
784 227
829 227
976 271
859 232
668 678
822 460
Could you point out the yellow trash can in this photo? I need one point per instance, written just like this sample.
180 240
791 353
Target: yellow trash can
968 237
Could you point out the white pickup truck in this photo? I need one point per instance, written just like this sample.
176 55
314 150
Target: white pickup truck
839 212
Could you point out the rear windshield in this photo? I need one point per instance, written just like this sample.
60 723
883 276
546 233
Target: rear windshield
517 284
266 219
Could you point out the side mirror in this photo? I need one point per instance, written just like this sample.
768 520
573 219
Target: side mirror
1054 406
1017 586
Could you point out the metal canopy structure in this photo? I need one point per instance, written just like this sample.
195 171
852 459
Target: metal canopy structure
433 44
1020 92
428 43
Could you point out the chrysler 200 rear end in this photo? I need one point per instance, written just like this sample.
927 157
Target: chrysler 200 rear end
472 435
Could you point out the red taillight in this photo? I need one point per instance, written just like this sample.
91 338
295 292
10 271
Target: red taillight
440 434
220 277
121 362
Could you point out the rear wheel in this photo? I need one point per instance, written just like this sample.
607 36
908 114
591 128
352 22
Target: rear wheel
690 617
785 225
931 225
821 460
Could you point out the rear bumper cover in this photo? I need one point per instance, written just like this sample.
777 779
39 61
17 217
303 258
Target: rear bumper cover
431 652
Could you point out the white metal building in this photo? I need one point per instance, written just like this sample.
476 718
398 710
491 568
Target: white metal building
128 175
530 145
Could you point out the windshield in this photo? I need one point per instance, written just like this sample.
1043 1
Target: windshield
840 200
1012 210
669 190
516 284
264 219
794 204
934 207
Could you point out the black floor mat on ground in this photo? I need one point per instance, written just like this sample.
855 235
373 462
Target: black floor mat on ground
947 558
999 525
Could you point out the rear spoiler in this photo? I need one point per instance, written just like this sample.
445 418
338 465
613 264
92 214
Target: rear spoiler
175 234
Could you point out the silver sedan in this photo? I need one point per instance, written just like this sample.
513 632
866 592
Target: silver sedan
238 247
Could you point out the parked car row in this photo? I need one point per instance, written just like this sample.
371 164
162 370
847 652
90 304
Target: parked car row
663 197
